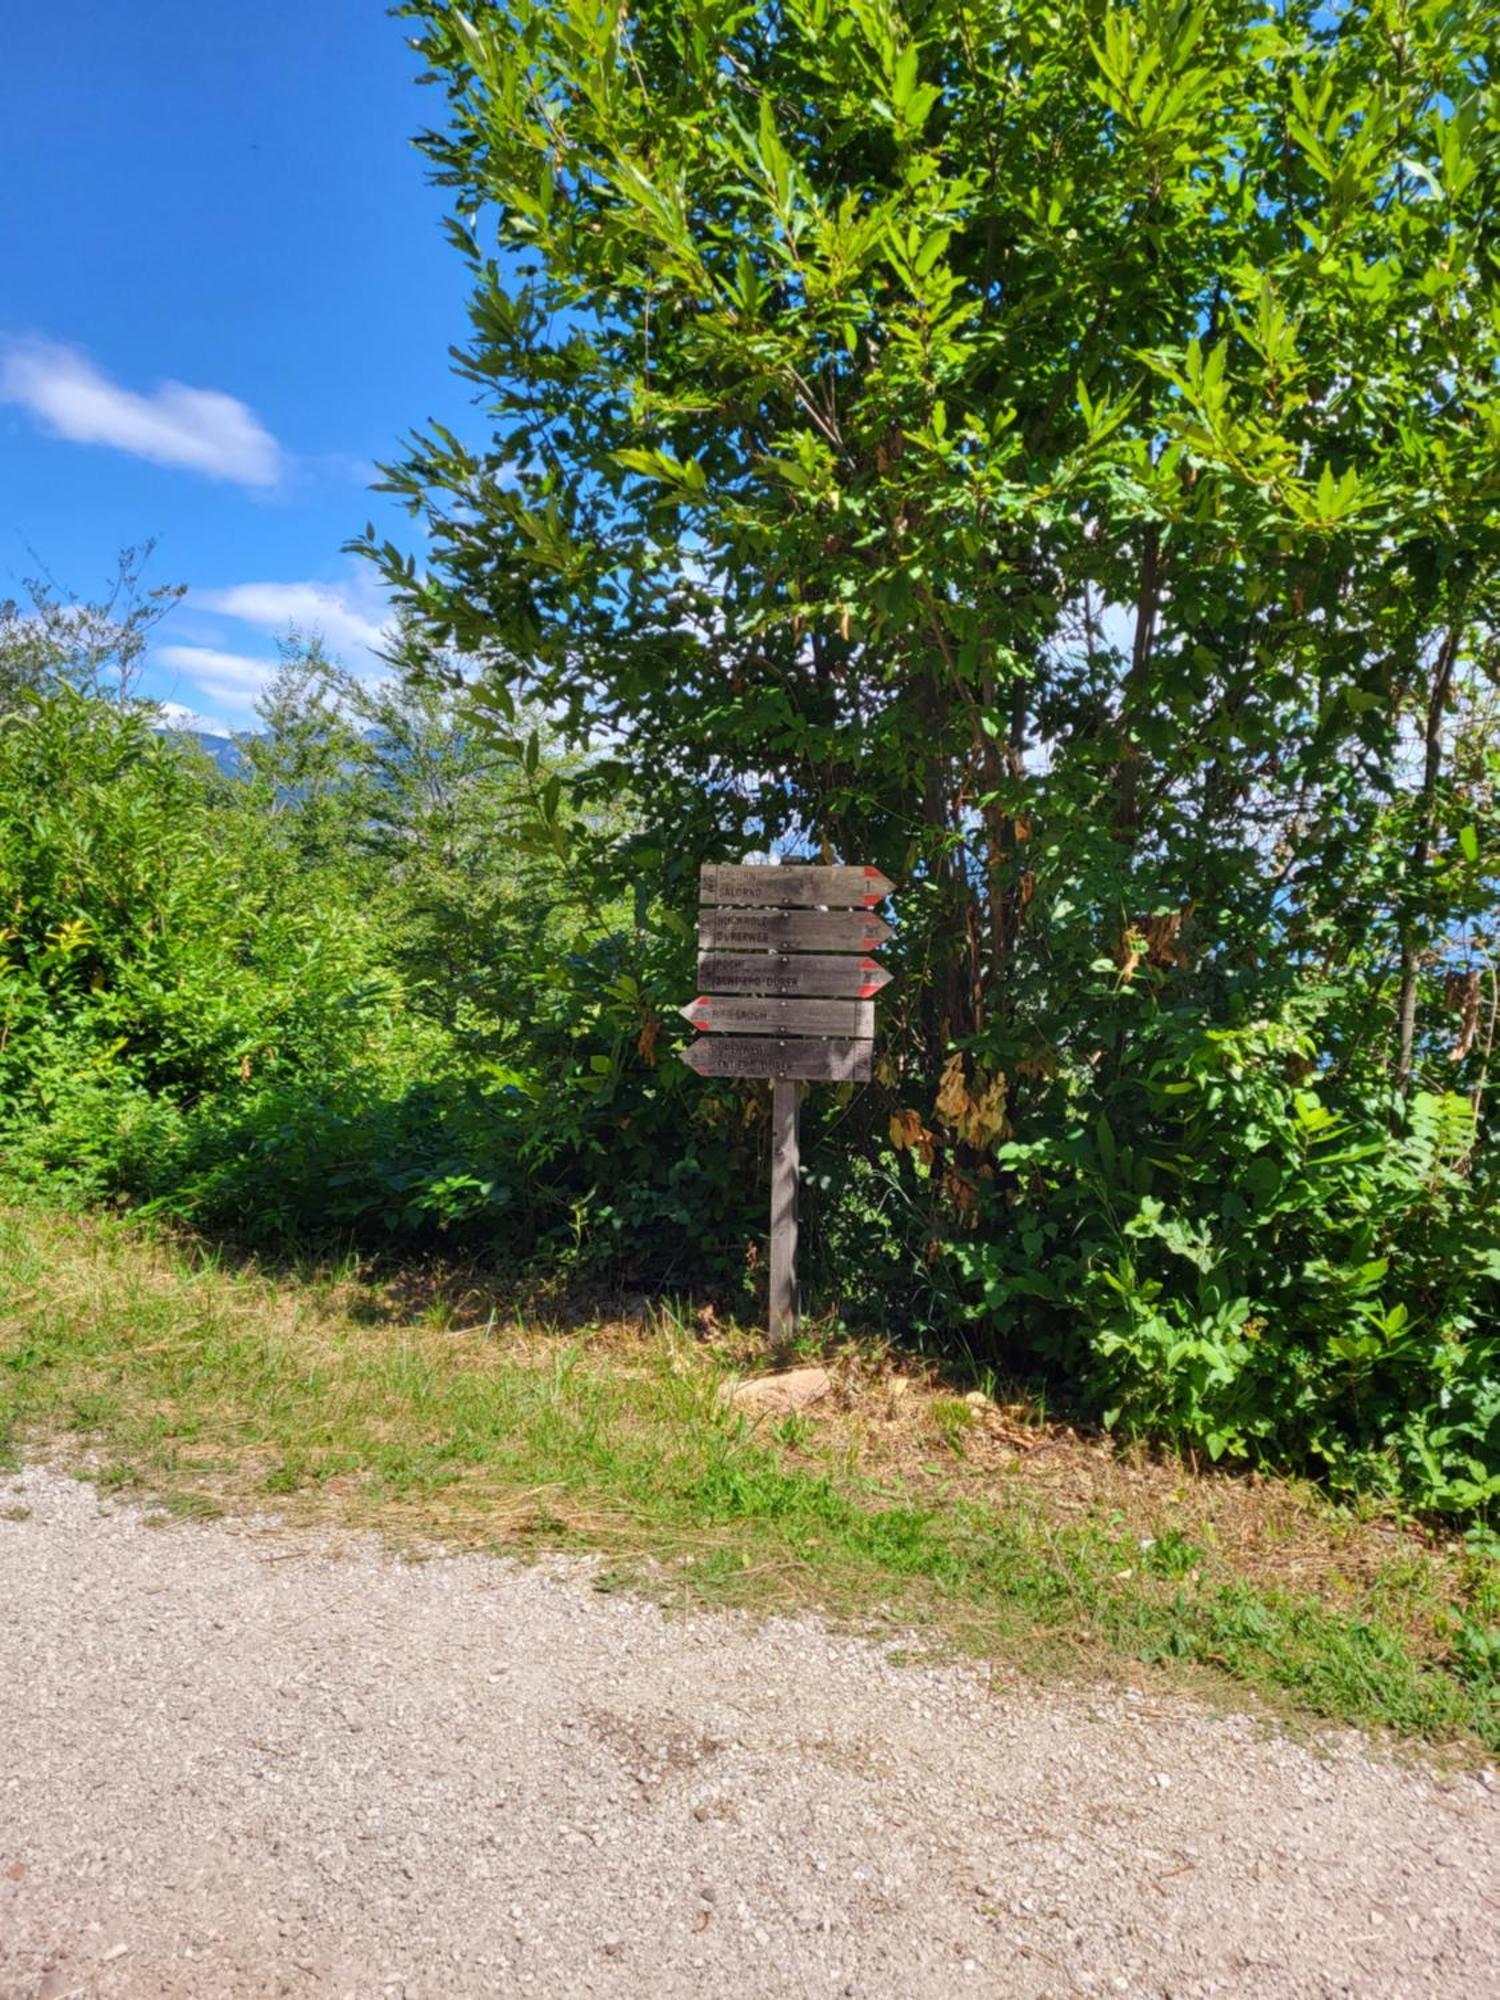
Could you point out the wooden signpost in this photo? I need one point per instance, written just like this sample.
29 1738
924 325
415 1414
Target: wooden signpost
799 889
791 930
787 991
782 1017
820 1061
783 972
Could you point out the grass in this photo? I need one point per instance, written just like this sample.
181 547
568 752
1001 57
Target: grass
895 1503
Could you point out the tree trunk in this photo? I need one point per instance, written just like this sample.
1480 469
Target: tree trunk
1128 766
1421 852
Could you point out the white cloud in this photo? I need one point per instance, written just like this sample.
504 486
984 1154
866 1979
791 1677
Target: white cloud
202 430
328 608
175 716
234 679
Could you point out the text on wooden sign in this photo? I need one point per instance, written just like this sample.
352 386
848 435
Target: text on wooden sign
801 888
807 1061
770 972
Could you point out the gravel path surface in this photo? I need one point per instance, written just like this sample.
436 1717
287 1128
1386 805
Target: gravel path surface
237 1762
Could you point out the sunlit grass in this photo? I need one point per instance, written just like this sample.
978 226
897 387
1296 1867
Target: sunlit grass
217 1388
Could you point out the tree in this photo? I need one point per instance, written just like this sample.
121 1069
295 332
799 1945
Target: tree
303 760
1045 448
54 639
1048 450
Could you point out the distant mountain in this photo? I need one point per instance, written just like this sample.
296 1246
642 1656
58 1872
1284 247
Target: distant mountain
224 750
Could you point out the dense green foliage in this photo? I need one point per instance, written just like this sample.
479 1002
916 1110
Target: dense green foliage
346 992
1049 450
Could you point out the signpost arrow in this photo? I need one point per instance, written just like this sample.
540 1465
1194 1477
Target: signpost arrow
772 933
823 1061
791 930
782 1017
802 888
781 973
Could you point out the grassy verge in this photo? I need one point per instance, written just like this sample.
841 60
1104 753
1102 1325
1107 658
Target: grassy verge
895 1503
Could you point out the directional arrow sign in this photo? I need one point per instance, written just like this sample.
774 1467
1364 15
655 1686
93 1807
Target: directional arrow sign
782 1017
764 1055
805 888
776 972
791 930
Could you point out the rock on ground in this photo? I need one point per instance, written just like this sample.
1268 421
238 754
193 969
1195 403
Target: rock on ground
779 1395
237 1762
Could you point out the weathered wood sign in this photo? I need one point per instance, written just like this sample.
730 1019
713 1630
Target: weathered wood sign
782 1017
813 1061
783 972
791 930
787 992
795 888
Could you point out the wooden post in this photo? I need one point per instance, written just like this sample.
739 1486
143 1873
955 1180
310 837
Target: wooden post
784 1173
786 990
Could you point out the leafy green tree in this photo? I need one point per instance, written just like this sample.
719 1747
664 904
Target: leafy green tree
1049 450
394 787
52 639
303 761
980 435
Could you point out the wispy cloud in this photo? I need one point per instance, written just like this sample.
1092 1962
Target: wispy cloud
340 614
233 679
175 715
202 430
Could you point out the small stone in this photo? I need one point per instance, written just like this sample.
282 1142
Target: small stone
779 1395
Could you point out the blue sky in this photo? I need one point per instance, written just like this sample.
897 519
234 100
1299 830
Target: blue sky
224 293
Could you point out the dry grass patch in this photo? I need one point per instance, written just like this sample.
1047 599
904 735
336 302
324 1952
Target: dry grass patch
907 1426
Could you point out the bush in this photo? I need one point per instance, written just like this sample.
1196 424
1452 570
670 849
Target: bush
203 1009
1235 1249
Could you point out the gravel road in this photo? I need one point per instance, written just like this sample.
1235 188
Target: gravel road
238 1762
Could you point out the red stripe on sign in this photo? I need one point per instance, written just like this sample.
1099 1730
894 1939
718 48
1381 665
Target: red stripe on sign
866 991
